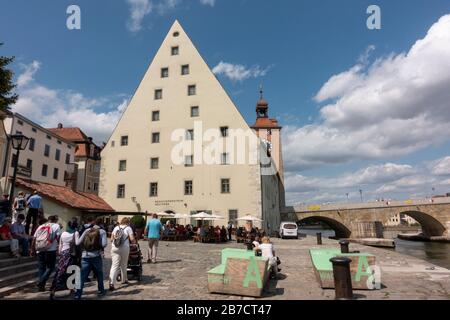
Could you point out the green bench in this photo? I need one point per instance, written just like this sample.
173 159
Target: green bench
362 268
240 273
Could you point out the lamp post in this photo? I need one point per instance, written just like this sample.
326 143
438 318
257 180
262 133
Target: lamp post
19 142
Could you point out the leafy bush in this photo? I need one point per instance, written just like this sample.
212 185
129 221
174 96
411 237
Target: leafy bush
138 222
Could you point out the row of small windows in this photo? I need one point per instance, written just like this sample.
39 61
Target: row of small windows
32 145
195 112
156 136
185 70
225 188
191 91
188 162
20 122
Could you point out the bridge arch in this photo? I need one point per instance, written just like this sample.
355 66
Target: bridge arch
431 227
339 228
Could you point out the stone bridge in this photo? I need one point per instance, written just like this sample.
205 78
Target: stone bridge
366 220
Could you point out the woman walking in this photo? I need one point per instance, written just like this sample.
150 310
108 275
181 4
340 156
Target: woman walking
120 249
66 258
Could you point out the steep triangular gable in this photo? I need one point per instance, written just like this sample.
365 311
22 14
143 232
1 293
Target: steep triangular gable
211 97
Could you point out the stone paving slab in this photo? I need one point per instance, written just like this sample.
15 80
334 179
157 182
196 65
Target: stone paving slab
182 267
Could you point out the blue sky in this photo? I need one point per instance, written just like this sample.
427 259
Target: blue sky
294 48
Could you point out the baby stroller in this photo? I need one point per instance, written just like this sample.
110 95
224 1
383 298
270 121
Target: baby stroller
134 266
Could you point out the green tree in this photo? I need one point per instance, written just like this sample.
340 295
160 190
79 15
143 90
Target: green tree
7 97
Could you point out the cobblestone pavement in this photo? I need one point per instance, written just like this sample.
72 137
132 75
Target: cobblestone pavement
181 274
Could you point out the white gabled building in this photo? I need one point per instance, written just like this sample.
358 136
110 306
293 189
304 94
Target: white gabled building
179 145
48 158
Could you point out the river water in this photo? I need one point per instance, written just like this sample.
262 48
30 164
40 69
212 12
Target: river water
433 252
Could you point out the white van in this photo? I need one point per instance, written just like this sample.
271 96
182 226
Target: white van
288 230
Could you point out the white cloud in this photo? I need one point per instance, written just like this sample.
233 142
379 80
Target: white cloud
238 72
208 2
378 181
138 10
48 107
397 105
28 75
441 167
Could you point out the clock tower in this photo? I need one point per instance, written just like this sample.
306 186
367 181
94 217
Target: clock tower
269 132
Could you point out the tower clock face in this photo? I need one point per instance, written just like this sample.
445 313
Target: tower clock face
267 143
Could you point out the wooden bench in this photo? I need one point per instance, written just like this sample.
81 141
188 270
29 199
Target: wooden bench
361 268
240 273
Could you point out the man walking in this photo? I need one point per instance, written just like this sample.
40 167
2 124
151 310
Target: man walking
93 240
153 232
45 242
229 230
34 206
19 205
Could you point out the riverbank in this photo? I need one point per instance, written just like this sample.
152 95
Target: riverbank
182 267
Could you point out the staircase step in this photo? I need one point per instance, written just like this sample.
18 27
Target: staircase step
5 255
15 261
18 268
17 287
17 278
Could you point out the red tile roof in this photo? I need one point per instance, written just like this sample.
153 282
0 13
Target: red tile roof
266 123
72 134
66 196
81 150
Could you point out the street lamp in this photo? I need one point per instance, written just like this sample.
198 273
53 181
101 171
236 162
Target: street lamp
19 142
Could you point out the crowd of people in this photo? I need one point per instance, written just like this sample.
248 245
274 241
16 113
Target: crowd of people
29 233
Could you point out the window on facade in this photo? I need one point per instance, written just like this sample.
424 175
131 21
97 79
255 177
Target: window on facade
188 188
34 129
20 122
175 51
225 158
232 215
18 132
31 144
49 137
189 135
185 69
113 144
47 150
192 90
123 165
155 116
224 131
195 112
154 189
89 185
176 34
124 141
121 191
29 164
59 142
154 163
155 137
158 94
189 161
57 154
164 72
225 185
55 173
67 158
95 186
44 170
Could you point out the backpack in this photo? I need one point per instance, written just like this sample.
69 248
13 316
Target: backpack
44 237
92 241
20 204
118 237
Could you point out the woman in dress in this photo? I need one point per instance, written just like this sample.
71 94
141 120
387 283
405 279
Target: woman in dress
66 248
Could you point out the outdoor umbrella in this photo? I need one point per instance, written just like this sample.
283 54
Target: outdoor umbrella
165 215
249 218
